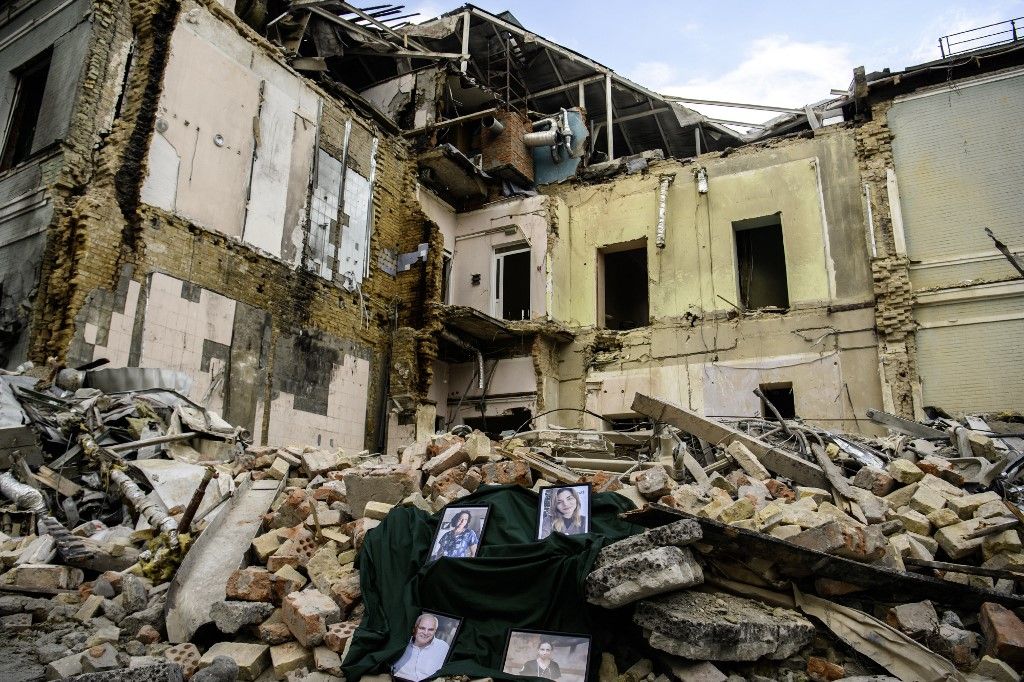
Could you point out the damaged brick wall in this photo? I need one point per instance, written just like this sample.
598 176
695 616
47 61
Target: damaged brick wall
106 245
890 271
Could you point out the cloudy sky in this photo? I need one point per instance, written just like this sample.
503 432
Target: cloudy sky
778 53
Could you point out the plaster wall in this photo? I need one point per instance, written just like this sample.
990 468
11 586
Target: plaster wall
479 233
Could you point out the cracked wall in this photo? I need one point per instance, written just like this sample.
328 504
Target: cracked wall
180 237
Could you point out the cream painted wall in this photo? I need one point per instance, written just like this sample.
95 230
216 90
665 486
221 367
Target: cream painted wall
207 162
698 263
479 233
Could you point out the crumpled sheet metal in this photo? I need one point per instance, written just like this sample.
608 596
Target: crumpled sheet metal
175 482
886 646
120 379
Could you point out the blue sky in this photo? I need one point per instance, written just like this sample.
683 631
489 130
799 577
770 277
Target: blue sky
784 54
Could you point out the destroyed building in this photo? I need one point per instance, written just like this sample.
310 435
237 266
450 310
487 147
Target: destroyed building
287 286
344 230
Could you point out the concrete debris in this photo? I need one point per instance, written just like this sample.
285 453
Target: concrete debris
722 627
263 567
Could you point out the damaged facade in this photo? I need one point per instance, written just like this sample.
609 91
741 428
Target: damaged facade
373 230
287 286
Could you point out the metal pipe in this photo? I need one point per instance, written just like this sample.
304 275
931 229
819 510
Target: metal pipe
197 498
24 496
149 509
492 124
666 180
541 138
608 114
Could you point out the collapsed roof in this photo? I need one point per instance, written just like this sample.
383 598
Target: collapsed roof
517 68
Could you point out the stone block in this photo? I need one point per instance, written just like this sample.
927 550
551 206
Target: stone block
785 532
859 543
941 518
232 616
655 571
914 521
901 496
816 494
449 458
877 481
953 541
946 488
1008 541
654 483
926 500
390 485
46 576
252 659
748 461
721 627
64 667
506 473
307 614
222 669
478 447
251 584
265 545
88 608
740 510
273 630
326 661
319 462
279 469
904 471
916 620
1004 634
997 670
288 657
98 658
140 669
377 510
966 506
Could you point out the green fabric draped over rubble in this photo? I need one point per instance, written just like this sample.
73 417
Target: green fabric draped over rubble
513 582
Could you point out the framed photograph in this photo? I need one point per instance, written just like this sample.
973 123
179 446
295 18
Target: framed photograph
429 646
564 509
551 655
459 533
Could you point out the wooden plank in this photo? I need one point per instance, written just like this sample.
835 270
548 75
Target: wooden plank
774 459
52 479
832 473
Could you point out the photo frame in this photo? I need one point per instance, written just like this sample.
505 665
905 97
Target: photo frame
564 509
550 655
449 541
429 647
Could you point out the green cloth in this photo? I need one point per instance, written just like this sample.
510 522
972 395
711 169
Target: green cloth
513 582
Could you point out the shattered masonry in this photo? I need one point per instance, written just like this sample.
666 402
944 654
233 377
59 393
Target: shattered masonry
282 281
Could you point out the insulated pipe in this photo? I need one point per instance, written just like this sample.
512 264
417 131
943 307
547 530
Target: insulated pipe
666 180
492 124
149 509
472 349
24 496
541 138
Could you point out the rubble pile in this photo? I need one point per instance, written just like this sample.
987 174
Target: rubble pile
143 538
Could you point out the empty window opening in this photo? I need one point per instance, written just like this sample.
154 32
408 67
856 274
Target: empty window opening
628 423
506 424
781 396
622 283
512 283
761 261
28 102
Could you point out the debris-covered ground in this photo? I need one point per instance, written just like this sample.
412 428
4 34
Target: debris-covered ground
142 532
